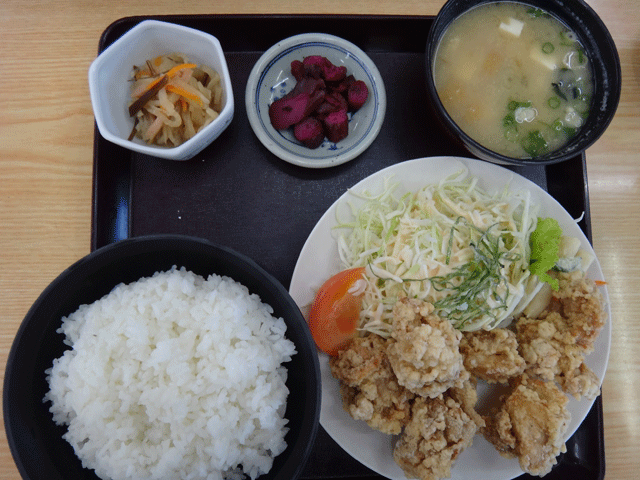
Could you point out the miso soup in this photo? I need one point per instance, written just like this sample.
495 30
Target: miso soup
514 78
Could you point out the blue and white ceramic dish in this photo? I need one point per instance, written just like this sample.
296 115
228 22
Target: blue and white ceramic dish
271 78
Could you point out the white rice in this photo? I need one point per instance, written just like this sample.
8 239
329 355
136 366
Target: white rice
173 377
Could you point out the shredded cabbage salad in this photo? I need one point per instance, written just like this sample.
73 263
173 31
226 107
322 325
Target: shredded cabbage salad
451 243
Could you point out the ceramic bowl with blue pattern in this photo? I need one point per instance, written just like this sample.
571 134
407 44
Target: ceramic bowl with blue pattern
271 79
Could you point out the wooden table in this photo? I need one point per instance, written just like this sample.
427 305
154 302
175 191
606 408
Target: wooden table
46 150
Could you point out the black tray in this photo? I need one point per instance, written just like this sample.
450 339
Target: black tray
235 192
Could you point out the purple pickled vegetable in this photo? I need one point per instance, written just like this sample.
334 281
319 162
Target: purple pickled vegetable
336 126
297 70
288 111
310 132
343 85
308 85
357 95
330 72
317 106
333 102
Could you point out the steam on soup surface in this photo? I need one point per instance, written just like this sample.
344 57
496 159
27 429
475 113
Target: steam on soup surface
514 78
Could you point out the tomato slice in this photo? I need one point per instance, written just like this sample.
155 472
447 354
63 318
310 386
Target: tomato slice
334 313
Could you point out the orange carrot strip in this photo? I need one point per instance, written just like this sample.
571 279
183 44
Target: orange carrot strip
184 93
600 282
171 73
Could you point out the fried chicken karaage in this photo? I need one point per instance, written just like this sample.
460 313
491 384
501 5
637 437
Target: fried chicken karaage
425 353
440 428
492 355
554 344
369 388
420 383
436 417
530 424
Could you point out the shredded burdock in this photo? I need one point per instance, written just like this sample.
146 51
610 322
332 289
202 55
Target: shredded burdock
173 99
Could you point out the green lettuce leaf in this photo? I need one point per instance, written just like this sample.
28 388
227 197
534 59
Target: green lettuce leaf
545 244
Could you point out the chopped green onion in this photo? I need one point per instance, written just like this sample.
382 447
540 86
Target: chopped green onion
510 127
554 102
570 131
567 39
513 105
548 47
581 58
557 125
511 134
534 143
582 104
509 121
537 12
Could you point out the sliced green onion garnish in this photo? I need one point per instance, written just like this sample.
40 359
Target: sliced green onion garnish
475 282
534 143
548 47
513 105
537 12
509 121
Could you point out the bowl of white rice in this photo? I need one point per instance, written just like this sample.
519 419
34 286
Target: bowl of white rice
162 357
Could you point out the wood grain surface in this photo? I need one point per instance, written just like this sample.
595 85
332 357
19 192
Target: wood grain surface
46 152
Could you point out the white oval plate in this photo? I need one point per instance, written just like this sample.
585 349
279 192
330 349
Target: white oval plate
319 260
271 78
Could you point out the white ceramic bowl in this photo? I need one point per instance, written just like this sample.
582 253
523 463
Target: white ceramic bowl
109 84
271 78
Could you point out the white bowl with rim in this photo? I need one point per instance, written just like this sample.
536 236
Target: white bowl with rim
110 86
271 78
